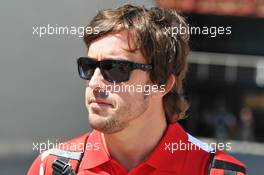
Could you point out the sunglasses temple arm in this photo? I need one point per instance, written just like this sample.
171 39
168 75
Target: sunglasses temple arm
142 66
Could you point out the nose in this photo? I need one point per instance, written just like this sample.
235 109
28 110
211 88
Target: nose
97 85
96 80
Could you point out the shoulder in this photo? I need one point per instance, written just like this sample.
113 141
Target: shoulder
71 149
223 163
210 160
198 155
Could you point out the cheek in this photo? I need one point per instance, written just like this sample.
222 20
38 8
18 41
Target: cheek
121 100
138 77
87 95
129 101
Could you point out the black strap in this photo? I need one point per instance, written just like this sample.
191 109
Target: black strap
227 166
60 166
211 158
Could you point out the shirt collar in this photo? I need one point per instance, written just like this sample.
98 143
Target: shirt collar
95 153
161 157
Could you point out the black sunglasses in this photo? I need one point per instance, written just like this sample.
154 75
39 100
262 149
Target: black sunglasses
112 70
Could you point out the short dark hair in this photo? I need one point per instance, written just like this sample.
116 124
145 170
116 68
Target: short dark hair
148 30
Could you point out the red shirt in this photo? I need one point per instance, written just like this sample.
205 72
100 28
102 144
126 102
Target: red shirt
167 158
162 161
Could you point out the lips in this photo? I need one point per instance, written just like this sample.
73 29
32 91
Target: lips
100 103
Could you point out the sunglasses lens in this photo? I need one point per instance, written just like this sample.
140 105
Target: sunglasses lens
86 68
115 71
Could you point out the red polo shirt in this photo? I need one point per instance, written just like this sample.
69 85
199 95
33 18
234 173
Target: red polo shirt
162 161
167 158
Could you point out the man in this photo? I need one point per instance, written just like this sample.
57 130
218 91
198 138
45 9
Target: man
134 71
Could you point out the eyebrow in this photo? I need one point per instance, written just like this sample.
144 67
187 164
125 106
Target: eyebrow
110 58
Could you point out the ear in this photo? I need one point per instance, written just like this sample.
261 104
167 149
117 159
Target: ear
170 84
164 89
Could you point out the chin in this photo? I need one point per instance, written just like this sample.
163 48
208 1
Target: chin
106 125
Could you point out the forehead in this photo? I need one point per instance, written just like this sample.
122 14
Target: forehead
114 46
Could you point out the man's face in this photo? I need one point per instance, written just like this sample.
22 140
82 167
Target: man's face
111 112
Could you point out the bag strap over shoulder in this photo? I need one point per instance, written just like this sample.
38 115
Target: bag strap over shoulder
220 164
61 165
64 162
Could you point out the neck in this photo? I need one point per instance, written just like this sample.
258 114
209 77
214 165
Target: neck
133 144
